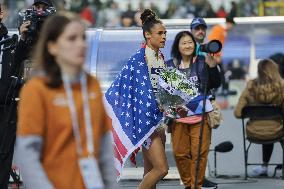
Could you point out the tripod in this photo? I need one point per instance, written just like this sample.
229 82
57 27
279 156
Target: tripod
202 124
205 89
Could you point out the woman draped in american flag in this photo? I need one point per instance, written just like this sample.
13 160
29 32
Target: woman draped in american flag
132 105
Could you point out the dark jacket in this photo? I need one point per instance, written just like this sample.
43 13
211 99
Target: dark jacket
6 67
22 53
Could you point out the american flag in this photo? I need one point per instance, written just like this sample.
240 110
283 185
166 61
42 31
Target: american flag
132 106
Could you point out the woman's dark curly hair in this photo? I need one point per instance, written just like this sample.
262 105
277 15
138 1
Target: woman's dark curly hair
175 47
149 19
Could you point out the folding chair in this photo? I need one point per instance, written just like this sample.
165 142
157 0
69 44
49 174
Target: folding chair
261 112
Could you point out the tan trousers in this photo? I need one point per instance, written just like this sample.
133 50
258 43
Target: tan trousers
185 140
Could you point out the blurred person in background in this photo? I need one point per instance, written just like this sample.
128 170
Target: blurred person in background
234 10
110 16
87 14
129 10
201 8
171 10
127 19
185 133
208 11
155 8
75 5
221 12
248 8
198 29
137 20
66 141
175 10
190 9
267 88
220 32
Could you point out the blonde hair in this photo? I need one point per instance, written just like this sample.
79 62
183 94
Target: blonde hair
268 71
269 84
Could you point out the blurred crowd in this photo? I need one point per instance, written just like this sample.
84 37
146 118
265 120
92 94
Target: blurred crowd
109 13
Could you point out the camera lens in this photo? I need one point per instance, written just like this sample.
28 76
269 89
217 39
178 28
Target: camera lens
214 47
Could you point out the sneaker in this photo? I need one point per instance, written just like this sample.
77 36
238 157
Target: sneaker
260 171
209 184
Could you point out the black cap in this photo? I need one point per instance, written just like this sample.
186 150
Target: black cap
47 2
230 20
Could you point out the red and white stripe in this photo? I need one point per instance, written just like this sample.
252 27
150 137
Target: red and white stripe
123 147
121 143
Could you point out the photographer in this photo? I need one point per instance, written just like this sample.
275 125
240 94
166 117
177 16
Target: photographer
29 29
198 28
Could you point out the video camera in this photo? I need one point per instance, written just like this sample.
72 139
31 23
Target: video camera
36 18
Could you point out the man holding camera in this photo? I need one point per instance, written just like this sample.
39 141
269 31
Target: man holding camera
198 28
28 37
39 6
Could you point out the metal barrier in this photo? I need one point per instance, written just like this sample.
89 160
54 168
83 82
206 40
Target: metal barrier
253 38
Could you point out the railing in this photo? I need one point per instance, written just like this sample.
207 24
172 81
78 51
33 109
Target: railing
238 20
252 38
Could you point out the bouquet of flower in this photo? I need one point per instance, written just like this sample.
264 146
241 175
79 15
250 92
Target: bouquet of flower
174 90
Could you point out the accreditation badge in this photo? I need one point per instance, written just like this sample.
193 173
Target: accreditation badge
91 173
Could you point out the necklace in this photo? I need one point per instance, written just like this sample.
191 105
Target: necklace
154 65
